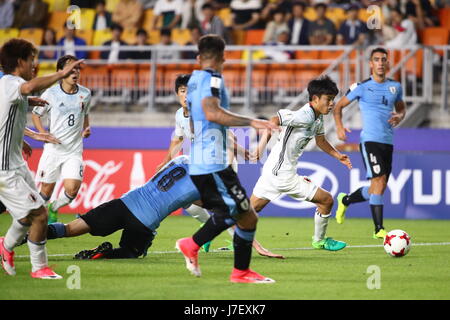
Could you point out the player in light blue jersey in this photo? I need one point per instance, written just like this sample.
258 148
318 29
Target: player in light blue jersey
138 213
211 172
382 108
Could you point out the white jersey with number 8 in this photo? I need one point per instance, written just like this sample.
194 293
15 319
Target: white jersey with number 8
66 113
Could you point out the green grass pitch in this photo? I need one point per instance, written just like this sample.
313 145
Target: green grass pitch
304 274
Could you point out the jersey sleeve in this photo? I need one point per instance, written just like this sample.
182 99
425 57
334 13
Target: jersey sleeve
40 111
179 132
354 92
211 86
399 94
14 89
88 103
298 119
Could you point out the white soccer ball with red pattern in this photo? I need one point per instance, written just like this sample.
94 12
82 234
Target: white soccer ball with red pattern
397 243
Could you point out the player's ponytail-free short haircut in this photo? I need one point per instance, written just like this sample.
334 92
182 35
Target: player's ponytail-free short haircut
12 51
322 86
63 60
181 80
379 49
211 46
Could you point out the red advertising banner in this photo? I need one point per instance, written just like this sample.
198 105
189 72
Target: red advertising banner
107 175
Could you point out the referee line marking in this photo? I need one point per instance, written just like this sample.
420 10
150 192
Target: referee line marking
272 249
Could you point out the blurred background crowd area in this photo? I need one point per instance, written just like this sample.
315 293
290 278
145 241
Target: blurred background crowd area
119 23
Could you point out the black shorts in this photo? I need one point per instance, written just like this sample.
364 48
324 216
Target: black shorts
377 158
114 215
222 192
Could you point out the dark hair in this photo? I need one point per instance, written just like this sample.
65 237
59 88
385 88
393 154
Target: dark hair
321 5
322 86
379 49
54 36
181 80
141 31
63 60
12 51
116 26
207 6
103 2
211 46
165 32
299 4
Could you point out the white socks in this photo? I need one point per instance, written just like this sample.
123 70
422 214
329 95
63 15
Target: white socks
61 201
38 255
320 225
15 235
198 213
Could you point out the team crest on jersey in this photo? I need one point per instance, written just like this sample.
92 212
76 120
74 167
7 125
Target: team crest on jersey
393 90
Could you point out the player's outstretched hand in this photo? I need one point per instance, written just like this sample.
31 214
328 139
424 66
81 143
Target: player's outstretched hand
345 160
36 102
341 133
69 68
264 124
264 252
45 137
395 119
86 132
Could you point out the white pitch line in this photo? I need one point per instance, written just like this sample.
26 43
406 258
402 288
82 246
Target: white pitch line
274 249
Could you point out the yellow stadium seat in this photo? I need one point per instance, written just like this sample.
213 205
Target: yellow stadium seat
337 15
225 15
57 20
101 36
61 5
181 36
129 36
154 37
46 68
86 35
35 35
111 5
310 14
87 18
147 19
6 34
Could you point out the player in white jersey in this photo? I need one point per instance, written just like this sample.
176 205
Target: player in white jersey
279 175
182 132
19 193
68 113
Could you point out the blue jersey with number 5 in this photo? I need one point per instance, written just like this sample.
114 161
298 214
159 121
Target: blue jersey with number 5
170 189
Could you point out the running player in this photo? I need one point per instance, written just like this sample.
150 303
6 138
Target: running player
19 193
382 108
68 112
212 174
279 174
182 131
138 212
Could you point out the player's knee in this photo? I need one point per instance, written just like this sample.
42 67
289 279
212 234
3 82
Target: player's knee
72 192
38 216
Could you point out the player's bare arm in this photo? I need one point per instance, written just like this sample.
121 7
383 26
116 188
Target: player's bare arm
38 136
41 83
175 146
325 146
340 129
215 113
264 140
399 114
37 102
237 149
37 122
86 128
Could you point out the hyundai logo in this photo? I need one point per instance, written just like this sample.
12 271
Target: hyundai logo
319 175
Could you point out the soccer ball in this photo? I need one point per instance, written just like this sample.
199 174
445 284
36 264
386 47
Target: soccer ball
397 243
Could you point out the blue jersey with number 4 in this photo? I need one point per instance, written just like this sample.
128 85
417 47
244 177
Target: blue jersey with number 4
209 148
170 189
376 102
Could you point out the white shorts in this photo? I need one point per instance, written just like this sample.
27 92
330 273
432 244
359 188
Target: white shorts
52 167
270 187
19 193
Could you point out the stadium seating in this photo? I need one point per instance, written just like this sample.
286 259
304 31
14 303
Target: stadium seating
57 5
101 36
87 18
225 15
435 36
35 35
129 36
46 68
111 5
181 36
444 17
254 37
6 34
57 20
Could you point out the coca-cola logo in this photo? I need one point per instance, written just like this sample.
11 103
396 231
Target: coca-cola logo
95 191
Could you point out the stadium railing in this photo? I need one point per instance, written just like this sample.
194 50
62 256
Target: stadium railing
254 81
